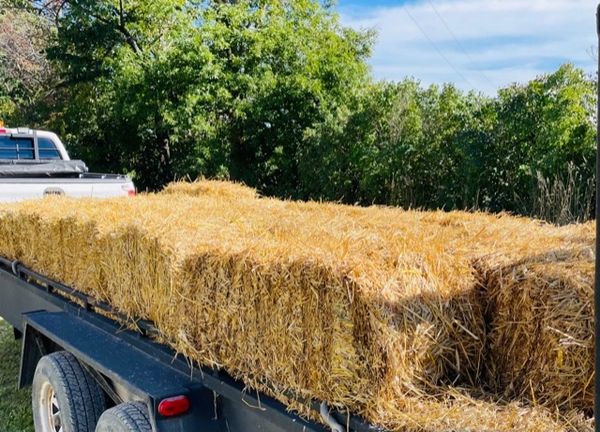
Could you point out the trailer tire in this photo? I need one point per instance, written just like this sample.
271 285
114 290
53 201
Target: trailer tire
125 417
64 395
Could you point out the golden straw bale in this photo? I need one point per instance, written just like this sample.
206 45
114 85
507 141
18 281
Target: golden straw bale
288 297
541 317
217 188
370 309
537 282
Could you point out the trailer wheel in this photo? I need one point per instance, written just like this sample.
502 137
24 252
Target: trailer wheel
126 417
65 398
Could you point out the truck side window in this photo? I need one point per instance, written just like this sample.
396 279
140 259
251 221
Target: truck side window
47 149
16 148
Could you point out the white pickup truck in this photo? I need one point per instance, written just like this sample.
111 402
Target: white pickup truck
34 163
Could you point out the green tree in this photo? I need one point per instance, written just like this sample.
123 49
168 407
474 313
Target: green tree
213 88
27 79
278 94
543 127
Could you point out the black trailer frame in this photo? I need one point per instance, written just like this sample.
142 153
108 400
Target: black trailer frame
50 317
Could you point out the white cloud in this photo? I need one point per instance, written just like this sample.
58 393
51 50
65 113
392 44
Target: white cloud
505 40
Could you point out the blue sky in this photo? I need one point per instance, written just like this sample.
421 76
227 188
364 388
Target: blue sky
476 44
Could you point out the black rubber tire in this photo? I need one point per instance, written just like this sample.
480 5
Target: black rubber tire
125 417
79 396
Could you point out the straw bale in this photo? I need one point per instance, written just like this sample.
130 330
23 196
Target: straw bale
371 309
309 302
541 318
216 188
538 282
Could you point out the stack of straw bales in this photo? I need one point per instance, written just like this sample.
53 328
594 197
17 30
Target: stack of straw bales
374 310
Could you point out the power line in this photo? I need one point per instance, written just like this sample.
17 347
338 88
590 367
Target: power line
592 51
460 45
434 45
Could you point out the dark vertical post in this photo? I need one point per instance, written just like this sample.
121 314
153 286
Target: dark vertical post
597 274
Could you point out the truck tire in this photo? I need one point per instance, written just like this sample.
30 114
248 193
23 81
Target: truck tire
125 417
64 396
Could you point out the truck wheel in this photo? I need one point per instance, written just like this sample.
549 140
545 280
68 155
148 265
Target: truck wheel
126 417
65 398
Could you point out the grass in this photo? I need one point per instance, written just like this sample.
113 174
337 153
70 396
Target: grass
563 200
15 405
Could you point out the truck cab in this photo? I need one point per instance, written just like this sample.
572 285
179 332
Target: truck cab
35 163
24 144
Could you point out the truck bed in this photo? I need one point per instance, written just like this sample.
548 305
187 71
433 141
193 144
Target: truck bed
80 185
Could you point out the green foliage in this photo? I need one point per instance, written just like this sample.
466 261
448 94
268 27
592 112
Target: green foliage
223 89
542 127
277 94
404 145
25 73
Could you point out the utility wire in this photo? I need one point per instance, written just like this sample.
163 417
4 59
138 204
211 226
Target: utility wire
592 51
460 45
434 45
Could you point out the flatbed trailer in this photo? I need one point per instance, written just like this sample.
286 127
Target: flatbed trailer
90 372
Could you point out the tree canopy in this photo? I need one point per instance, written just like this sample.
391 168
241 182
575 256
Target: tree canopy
279 95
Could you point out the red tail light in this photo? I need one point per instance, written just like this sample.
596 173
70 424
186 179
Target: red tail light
130 189
2 130
174 406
